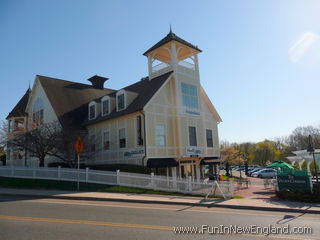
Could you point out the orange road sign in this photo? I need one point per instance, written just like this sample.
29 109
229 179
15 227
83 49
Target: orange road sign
79 146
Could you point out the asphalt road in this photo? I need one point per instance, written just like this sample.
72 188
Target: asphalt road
89 220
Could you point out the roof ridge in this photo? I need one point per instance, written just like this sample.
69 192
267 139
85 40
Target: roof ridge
68 81
171 36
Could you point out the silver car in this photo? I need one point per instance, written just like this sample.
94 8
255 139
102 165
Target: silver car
265 173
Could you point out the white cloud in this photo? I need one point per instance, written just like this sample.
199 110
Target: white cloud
302 46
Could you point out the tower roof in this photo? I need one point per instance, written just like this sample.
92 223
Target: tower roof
171 37
20 109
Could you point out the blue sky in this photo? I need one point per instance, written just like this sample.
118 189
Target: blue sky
260 63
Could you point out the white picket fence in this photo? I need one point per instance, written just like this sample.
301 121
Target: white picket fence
145 181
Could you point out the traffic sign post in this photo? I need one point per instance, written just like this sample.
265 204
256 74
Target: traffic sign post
79 147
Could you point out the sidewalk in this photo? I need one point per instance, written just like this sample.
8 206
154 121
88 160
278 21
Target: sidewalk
249 204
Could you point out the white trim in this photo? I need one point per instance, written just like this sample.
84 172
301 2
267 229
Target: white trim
195 126
104 99
125 137
206 140
198 96
120 92
165 134
106 131
92 103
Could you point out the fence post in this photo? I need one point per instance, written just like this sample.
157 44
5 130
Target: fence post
87 174
174 181
118 177
59 172
231 188
152 180
34 172
189 183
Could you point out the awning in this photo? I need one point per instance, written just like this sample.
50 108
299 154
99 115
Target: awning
210 160
161 163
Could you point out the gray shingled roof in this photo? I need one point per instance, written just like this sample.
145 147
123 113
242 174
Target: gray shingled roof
145 90
170 37
20 109
69 99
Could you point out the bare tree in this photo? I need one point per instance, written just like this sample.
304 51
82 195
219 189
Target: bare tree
3 133
3 140
40 142
64 146
299 137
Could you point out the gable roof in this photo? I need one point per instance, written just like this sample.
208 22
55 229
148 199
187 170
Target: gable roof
20 109
171 37
69 99
145 90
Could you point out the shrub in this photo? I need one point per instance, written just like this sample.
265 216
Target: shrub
298 195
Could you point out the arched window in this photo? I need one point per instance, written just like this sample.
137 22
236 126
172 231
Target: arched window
92 110
37 112
105 105
121 100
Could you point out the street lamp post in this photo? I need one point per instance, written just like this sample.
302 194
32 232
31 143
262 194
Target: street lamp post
310 150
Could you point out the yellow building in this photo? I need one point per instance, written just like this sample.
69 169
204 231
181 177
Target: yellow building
165 120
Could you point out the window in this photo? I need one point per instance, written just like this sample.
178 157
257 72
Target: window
92 111
160 135
192 136
122 137
106 141
37 113
189 95
209 138
93 143
139 131
120 99
105 107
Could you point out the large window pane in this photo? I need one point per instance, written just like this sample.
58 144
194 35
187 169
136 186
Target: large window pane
192 136
121 102
139 131
105 107
189 95
106 140
122 138
160 135
92 112
209 138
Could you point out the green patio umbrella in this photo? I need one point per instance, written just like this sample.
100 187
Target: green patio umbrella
280 164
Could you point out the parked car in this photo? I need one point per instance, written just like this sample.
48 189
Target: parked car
265 173
253 171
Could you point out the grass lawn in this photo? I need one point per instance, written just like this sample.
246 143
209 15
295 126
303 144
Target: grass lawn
72 186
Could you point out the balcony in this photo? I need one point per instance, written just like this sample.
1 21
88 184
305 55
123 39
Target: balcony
162 68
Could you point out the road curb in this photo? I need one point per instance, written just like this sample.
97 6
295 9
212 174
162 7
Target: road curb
206 205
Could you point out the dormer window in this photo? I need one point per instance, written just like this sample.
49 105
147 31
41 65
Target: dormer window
121 100
92 110
105 106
